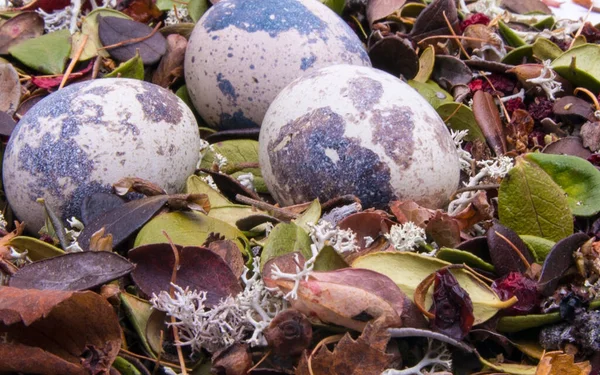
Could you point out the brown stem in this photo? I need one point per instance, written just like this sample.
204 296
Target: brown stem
512 246
73 62
280 213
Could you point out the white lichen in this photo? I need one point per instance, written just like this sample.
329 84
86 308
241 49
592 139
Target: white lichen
72 235
437 359
547 80
179 14
69 17
406 237
241 318
204 147
247 180
464 157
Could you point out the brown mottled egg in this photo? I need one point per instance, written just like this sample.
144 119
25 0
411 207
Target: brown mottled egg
85 137
243 52
356 130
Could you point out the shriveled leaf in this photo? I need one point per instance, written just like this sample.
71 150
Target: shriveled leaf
124 220
170 67
558 261
488 118
366 224
143 11
431 21
577 177
132 68
36 249
346 297
456 256
47 53
200 269
443 229
559 363
10 87
529 202
410 211
539 247
137 185
114 30
97 204
24 26
284 239
508 252
73 271
81 325
380 9
187 229
394 55
408 270
450 71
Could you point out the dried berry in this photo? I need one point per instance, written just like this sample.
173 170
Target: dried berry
289 333
499 83
452 306
591 33
594 159
540 108
475 85
475 19
516 284
514 104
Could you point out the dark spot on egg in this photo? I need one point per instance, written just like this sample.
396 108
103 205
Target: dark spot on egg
264 15
311 158
307 62
364 92
354 48
226 88
393 129
72 206
159 105
236 121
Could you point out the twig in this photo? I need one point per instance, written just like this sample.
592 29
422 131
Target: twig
134 40
582 25
259 362
172 292
282 213
74 61
416 332
159 357
462 48
148 358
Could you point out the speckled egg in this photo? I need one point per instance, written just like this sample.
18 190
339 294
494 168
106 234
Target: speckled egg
85 137
356 130
243 52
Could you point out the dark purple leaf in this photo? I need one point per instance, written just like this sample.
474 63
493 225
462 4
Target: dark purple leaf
21 27
558 261
394 55
488 66
114 30
450 71
97 204
431 21
526 6
568 146
452 306
252 221
27 104
574 107
488 118
508 252
477 246
72 272
229 186
123 221
200 269
515 284
226 135
7 124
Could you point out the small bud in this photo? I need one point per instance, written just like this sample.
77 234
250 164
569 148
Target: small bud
289 333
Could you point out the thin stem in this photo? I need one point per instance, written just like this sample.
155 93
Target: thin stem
278 212
73 62
416 332
134 40
462 48
512 246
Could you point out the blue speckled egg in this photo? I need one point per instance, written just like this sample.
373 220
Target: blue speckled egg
243 52
356 130
85 137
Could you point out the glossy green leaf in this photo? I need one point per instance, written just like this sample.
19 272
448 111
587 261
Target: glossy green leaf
47 53
576 176
132 68
456 256
407 270
540 247
284 239
138 312
511 38
196 8
462 119
579 65
544 49
187 229
195 185
89 27
426 63
232 213
329 260
310 216
529 202
432 92
124 367
519 55
36 249
335 5
518 323
546 23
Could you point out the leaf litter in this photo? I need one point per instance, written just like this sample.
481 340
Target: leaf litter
245 286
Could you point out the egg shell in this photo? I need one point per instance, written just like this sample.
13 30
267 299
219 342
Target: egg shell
243 52
86 136
356 130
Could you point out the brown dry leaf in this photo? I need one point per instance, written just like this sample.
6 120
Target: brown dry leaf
520 128
5 241
348 297
27 25
184 202
138 185
444 230
230 253
559 363
57 332
410 211
101 242
170 67
366 355
478 210
488 118
233 360
10 87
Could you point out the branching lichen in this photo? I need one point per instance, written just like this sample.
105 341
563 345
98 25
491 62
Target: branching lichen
406 237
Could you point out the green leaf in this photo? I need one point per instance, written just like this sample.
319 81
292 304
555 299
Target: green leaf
138 312
519 55
529 202
335 5
426 63
232 213
456 256
579 65
540 247
310 216
285 239
462 119
47 53
510 368
432 92
132 68
36 249
407 270
196 9
329 260
124 367
544 49
576 176
195 185
546 23
518 323
187 229
89 27
512 39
